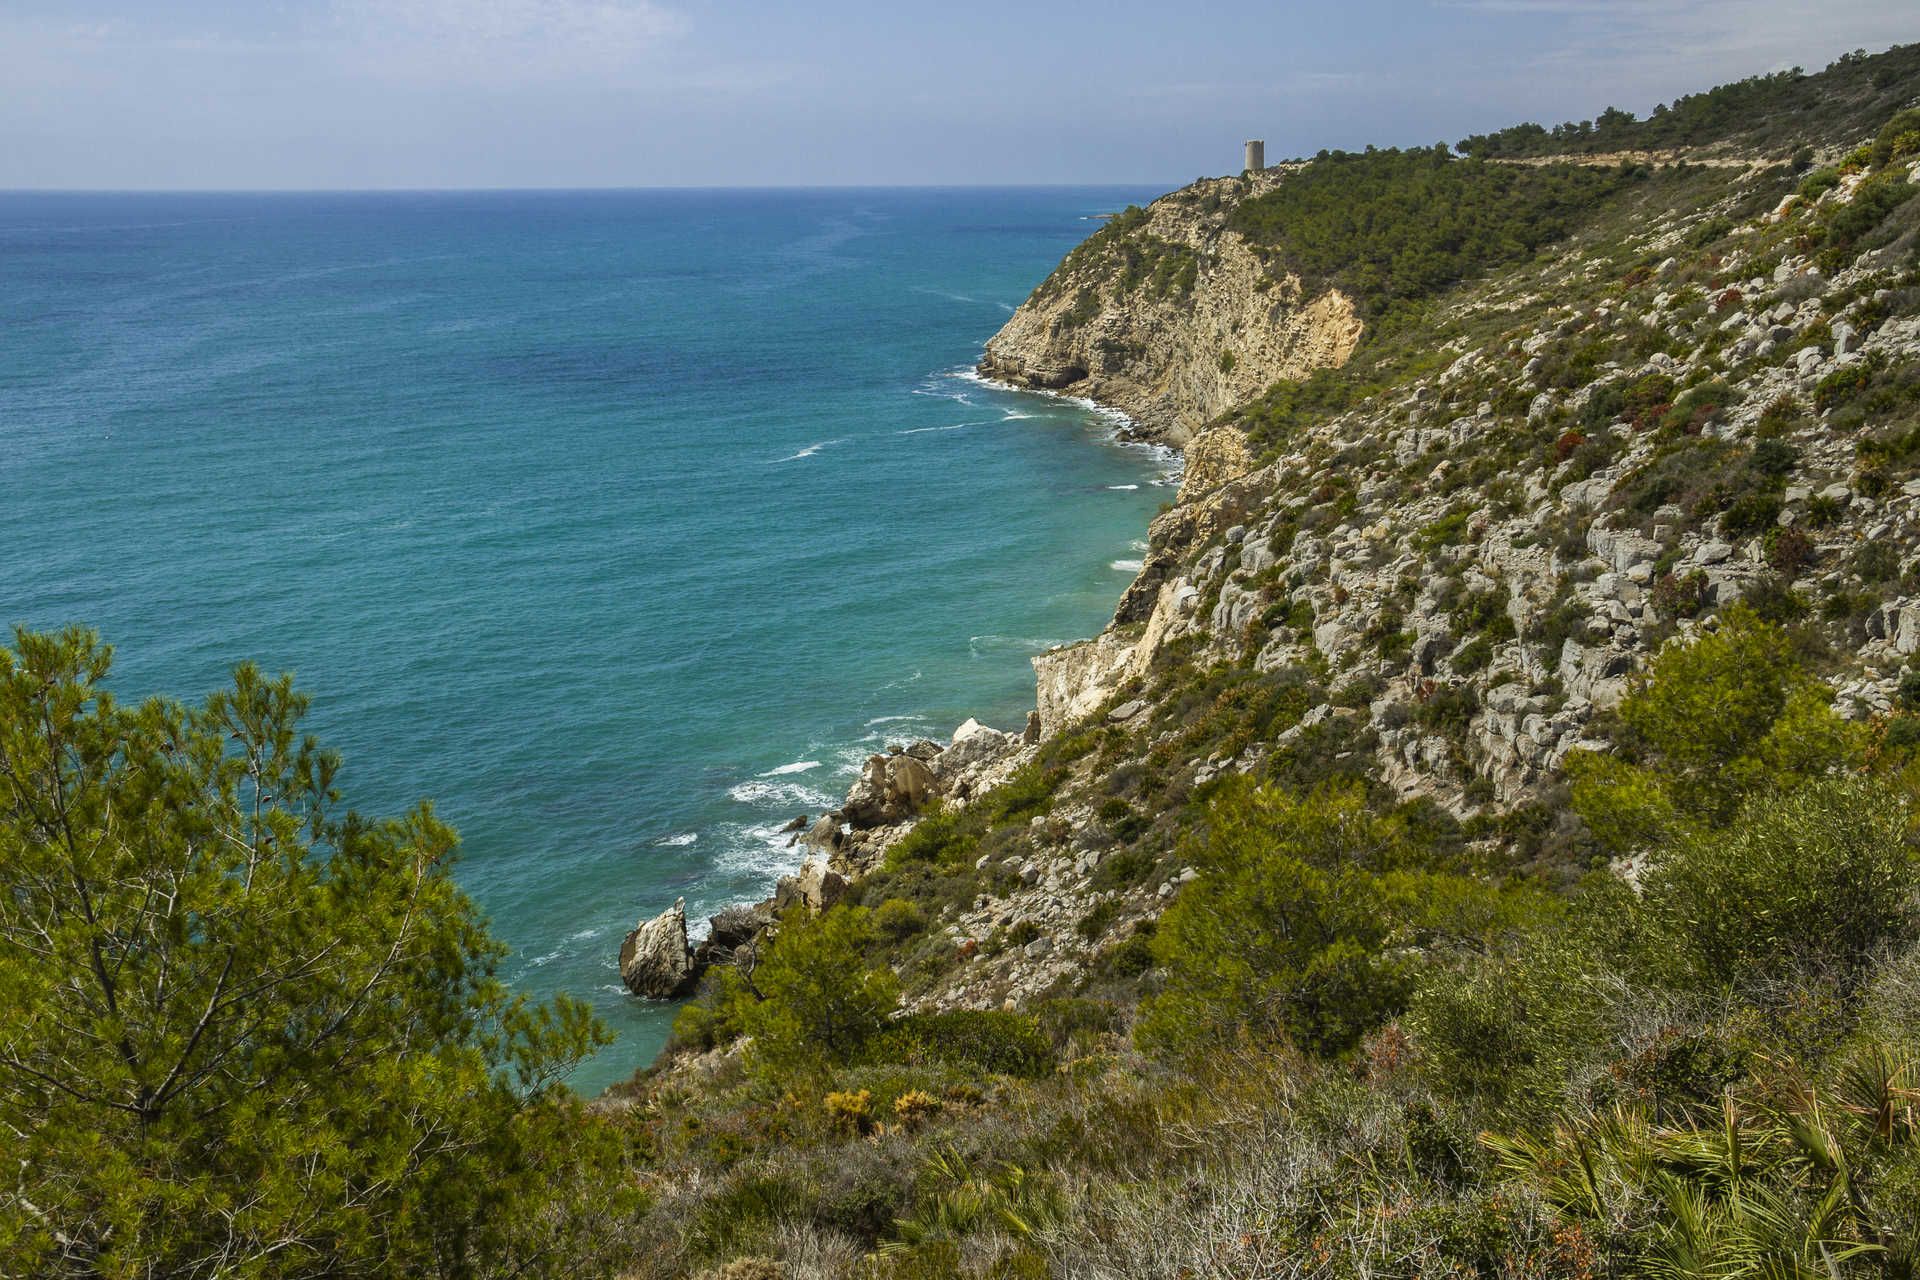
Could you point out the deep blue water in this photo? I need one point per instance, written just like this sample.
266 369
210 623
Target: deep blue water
622 525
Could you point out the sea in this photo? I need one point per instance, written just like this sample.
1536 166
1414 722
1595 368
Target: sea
622 525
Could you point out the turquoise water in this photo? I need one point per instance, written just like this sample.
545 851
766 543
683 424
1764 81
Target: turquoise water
623 525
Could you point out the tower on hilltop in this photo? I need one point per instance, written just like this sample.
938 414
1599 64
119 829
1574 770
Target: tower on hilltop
1256 155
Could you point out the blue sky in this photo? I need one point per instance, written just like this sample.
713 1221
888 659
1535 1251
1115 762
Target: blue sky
464 93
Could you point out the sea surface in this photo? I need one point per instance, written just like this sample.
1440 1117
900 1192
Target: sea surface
623 525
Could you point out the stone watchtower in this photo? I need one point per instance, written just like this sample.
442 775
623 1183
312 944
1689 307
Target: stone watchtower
1256 155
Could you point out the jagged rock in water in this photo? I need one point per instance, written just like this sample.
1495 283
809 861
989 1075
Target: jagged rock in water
655 960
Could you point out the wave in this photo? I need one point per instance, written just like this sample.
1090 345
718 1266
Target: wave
1123 486
811 449
780 795
1127 566
932 388
955 426
1001 644
798 766
678 841
961 297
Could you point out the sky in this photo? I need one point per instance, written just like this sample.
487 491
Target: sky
311 94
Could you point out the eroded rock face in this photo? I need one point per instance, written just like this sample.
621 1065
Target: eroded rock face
815 885
732 929
891 788
1175 358
655 960
1214 457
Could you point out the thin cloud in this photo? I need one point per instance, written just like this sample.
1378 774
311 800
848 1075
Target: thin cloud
499 40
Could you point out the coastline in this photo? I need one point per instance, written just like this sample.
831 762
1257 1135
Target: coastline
663 960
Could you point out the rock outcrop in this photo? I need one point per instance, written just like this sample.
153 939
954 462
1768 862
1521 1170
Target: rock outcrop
655 960
891 792
1172 317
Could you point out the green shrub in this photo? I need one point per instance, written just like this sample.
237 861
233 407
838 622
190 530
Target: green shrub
898 919
990 1040
941 838
1817 879
1849 224
1392 226
1281 934
822 1003
1446 531
1713 721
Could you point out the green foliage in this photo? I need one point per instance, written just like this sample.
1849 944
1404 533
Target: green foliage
247 1033
1443 532
1777 111
1393 226
820 1000
1848 225
1712 722
1819 879
898 919
1514 1027
1289 405
989 1040
941 838
1281 934
1803 1180
1086 305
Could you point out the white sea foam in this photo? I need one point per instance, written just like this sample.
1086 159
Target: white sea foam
1123 486
944 393
583 935
780 795
1018 644
1138 544
798 766
754 851
893 719
681 840
961 297
952 426
1127 566
811 449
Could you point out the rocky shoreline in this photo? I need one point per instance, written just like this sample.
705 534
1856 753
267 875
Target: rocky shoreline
658 958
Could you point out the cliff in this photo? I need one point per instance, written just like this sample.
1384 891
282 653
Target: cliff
1290 873
1170 315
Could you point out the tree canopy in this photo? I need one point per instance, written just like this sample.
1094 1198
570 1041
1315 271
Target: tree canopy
247 1032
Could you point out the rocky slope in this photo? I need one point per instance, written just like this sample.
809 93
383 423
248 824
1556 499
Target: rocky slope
1169 315
1434 566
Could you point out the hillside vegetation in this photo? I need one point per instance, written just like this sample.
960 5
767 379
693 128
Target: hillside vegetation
1773 114
1486 842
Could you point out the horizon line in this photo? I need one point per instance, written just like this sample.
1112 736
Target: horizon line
578 190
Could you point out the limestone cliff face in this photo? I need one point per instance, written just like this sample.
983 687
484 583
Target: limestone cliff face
1171 317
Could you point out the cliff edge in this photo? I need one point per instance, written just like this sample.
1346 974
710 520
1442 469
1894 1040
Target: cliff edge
1172 316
